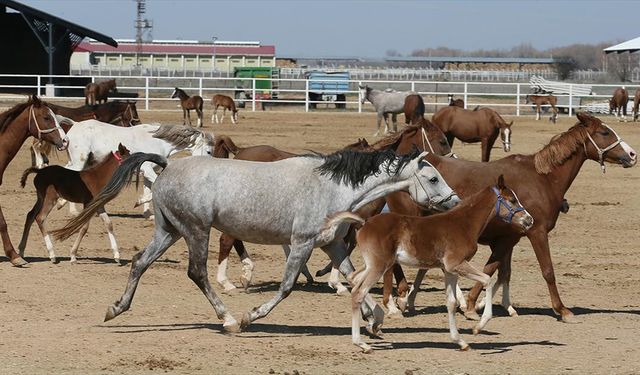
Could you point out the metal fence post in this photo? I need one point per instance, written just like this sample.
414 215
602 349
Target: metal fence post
413 86
146 93
253 94
570 100
306 95
518 99
38 82
466 97
359 97
200 87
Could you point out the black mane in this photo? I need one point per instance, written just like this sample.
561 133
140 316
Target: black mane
353 167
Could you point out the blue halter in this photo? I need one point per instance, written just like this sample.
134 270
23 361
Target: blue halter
501 202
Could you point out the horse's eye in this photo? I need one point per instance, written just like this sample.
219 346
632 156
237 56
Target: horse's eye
433 180
605 132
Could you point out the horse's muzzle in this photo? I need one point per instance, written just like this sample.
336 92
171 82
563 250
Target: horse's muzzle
63 145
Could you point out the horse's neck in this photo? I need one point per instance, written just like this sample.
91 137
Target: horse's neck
374 187
11 140
183 95
562 176
373 95
475 213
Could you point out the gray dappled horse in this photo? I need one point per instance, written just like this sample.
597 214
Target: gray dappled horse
284 202
385 103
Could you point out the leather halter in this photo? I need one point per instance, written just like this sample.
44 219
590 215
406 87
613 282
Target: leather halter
426 141
500 201
431 203
602 151
32 114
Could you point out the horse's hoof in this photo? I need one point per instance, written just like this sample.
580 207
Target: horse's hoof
471 315
73 261
118 261
246 321
111 313
374 331
512 312
570 319
464 347
246 283
231 326
476 329
341 290
402 304
366 349
54 260
18 262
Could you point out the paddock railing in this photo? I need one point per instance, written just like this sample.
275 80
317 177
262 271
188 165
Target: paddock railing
153 93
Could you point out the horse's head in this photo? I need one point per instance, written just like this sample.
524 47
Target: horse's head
427 187
44 125
130 115
204 144
527 99
364 92
508 207
505 135
602 143
612 105
432 139
111 85
175 93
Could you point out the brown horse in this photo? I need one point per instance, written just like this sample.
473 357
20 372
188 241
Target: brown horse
619 102
483 125
188 103
32 118
413 109
75 186
226 103
636 103
541 181
455 102
447 241
96 93
121 113
539 101
262 153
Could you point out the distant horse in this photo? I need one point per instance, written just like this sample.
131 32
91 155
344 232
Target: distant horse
385 103
455 102
619 102
413 109
636 103
539 101
188 103
280 203
120 113
226 103
32 118
447 241
482 125
80 187
96 93
263 153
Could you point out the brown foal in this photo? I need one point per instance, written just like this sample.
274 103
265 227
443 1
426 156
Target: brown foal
225 102
447 241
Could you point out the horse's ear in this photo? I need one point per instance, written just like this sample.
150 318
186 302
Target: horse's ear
511 123
585 118
501 182
36 100
122 149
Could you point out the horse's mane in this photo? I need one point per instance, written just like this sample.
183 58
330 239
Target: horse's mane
559 149
180 135
392 140
353 167
8 116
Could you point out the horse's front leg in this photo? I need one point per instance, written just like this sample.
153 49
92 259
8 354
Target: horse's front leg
150 176
300 253
304 270
379 120
188 116
538 110
394 121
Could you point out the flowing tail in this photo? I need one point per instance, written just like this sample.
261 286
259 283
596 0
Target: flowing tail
223 145
26 173
120 179
332 223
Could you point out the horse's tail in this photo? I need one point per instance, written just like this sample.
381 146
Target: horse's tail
223 145
121 178
26 173
332 223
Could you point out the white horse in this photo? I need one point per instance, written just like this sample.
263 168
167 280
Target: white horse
279 203
385 103
99 138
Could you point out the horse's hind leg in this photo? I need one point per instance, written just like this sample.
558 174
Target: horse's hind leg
379 120
387 298
47 206
200 115
394 121
198 243
334 282
226 243
214 117
450 282
74 249
304 270
163 237
112 237
538 109
31 217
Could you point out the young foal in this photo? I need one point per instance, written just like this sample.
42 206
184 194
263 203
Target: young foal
539 101
447 241
96 93
636 103
188 103
80 187
619 102
226 103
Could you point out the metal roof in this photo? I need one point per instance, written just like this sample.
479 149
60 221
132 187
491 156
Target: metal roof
73 28
632 45
176 49
488 60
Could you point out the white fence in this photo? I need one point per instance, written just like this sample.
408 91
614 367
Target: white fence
153 92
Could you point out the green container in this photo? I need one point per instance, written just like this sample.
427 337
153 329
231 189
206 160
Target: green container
265 88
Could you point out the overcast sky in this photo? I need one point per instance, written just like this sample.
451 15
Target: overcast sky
363 28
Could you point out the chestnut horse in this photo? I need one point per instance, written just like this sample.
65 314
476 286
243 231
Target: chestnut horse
23 120
226 103
539 101
263 153
75 186
188 103
619 102
121 113
447 241
96 93
541 181
636 103
413 109
480 125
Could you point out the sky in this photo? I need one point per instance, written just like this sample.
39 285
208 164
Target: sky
363 28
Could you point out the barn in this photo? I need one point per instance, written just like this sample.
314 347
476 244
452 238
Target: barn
38 43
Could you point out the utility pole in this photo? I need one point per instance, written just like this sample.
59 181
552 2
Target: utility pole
142 26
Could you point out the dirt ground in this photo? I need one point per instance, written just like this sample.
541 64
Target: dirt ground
52 314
